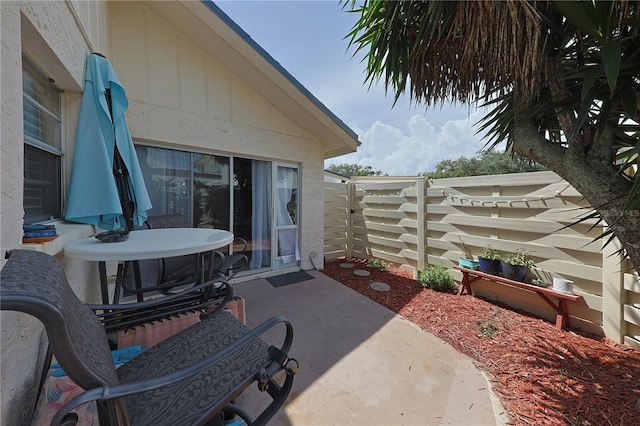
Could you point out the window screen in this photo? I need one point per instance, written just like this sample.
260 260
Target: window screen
42 146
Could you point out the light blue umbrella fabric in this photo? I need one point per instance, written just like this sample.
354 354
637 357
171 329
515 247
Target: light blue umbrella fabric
93 194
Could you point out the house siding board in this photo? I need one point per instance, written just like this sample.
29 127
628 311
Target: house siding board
240 102
281 123
130 55
179 75
164 77
192 67
219 91
264 115
94 17
312 209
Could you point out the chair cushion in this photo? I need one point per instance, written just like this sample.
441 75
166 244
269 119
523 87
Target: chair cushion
186 401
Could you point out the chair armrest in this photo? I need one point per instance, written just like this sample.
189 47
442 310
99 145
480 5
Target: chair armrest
121 390
243 242
213 269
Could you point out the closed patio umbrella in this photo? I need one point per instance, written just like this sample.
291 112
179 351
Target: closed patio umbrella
107 188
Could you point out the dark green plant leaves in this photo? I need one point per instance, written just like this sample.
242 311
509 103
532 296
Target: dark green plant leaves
611 60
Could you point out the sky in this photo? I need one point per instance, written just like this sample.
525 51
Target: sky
308 39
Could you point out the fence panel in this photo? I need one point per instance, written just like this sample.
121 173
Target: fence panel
388 222
526 211
631 309
412 222
337 232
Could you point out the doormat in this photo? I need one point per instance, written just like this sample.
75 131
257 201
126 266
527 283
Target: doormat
292 278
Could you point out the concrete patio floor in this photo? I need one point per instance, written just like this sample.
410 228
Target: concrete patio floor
360 364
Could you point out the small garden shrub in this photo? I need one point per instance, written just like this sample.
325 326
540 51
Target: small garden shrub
438 278
487 328
379 265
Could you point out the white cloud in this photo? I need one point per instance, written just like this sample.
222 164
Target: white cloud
307 38
391 150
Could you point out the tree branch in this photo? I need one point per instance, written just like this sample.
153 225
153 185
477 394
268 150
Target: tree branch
528 142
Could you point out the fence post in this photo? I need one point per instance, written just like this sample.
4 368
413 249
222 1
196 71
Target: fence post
613 293
422 222
350 199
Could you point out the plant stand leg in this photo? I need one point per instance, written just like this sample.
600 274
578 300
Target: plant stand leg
562 312
466 284
564 308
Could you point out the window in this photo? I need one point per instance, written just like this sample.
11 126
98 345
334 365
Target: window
167 175
42 146
211 191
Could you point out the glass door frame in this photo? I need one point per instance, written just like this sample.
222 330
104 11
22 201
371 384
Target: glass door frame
276 258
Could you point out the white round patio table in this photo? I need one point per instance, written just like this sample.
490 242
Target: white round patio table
147 244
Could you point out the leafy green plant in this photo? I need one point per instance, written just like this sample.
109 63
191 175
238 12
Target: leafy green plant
539 283
487 328
438 278
379 265
490 253
520 257
466 253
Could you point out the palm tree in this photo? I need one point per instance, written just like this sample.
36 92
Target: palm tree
563 79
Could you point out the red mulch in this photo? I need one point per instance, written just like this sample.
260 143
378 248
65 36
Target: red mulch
540 374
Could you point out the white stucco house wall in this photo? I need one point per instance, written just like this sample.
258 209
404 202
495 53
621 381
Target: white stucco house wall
198 87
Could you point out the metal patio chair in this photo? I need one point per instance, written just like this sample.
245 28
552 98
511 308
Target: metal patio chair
228 265
171 274
175 272
191 378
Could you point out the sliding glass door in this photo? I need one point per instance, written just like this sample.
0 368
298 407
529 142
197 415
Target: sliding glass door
265 212
255 199
252 209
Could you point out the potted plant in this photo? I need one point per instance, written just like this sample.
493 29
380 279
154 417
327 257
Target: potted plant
489 259
466 261
516 265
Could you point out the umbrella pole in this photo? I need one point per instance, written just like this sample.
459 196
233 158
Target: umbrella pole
124 189
125 192
121 175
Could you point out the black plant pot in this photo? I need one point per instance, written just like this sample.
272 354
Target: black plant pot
514 272
490 266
